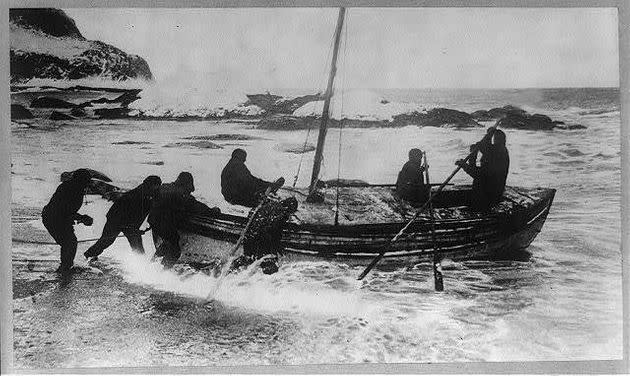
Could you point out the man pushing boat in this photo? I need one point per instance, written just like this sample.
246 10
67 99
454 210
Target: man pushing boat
126 215
172 204
61 213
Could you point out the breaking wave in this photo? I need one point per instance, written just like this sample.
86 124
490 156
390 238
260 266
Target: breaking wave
175 98
359 105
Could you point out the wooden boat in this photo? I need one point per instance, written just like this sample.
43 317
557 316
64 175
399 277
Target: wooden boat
372 215
358 221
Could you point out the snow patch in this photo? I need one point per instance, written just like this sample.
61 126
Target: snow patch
35 41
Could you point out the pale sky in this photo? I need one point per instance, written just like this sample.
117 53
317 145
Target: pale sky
386 48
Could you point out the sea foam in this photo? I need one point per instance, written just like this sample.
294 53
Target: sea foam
359 105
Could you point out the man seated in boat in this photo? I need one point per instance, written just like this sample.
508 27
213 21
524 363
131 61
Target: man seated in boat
126 215
172 204
410 185
239 186
490 176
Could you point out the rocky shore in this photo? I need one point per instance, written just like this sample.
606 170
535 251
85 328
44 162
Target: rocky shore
273 111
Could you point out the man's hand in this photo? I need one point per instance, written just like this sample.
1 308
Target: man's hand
460 163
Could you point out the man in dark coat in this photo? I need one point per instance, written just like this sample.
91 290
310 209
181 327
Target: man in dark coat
126 215
239 186
490 176
60 214
410 185
172 204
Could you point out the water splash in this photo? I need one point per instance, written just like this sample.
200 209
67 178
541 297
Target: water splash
286 291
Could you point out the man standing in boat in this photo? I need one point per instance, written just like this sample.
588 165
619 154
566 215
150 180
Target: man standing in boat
172 204
239 186
410 185
490 177
61 213
126 216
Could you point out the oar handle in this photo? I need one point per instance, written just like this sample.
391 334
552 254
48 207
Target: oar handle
429 201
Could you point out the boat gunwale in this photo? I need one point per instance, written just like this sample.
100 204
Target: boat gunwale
385 227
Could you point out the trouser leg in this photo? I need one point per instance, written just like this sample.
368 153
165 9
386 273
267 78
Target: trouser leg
169 251
175 252
135 240
63 234
110 232
68 247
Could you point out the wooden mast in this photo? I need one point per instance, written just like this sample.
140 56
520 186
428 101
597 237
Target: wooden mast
323 126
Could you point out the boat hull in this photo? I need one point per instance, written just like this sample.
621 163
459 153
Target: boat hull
460 234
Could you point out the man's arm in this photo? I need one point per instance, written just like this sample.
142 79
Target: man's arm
252 181
470 169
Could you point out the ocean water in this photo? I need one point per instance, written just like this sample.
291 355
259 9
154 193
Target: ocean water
564 303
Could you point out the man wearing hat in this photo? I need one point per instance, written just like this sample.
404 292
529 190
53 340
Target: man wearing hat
173 204
61 213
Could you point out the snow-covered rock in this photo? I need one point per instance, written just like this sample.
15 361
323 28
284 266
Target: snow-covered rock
46 44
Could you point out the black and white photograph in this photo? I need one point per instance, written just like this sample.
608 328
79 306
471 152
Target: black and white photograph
313 185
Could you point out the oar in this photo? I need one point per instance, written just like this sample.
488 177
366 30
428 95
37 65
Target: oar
426 204
437 268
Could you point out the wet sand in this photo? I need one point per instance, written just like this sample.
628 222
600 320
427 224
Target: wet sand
98 320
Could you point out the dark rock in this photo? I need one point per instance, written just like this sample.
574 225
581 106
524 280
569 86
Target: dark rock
562 125
529 122
126 98
112 113
78 112
224 137
101 100
49 102
482 115
19 112
131 143
196 144
55 115
295 148
290 105
501 112
275 104
264 101
285 122
48 20
436 117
